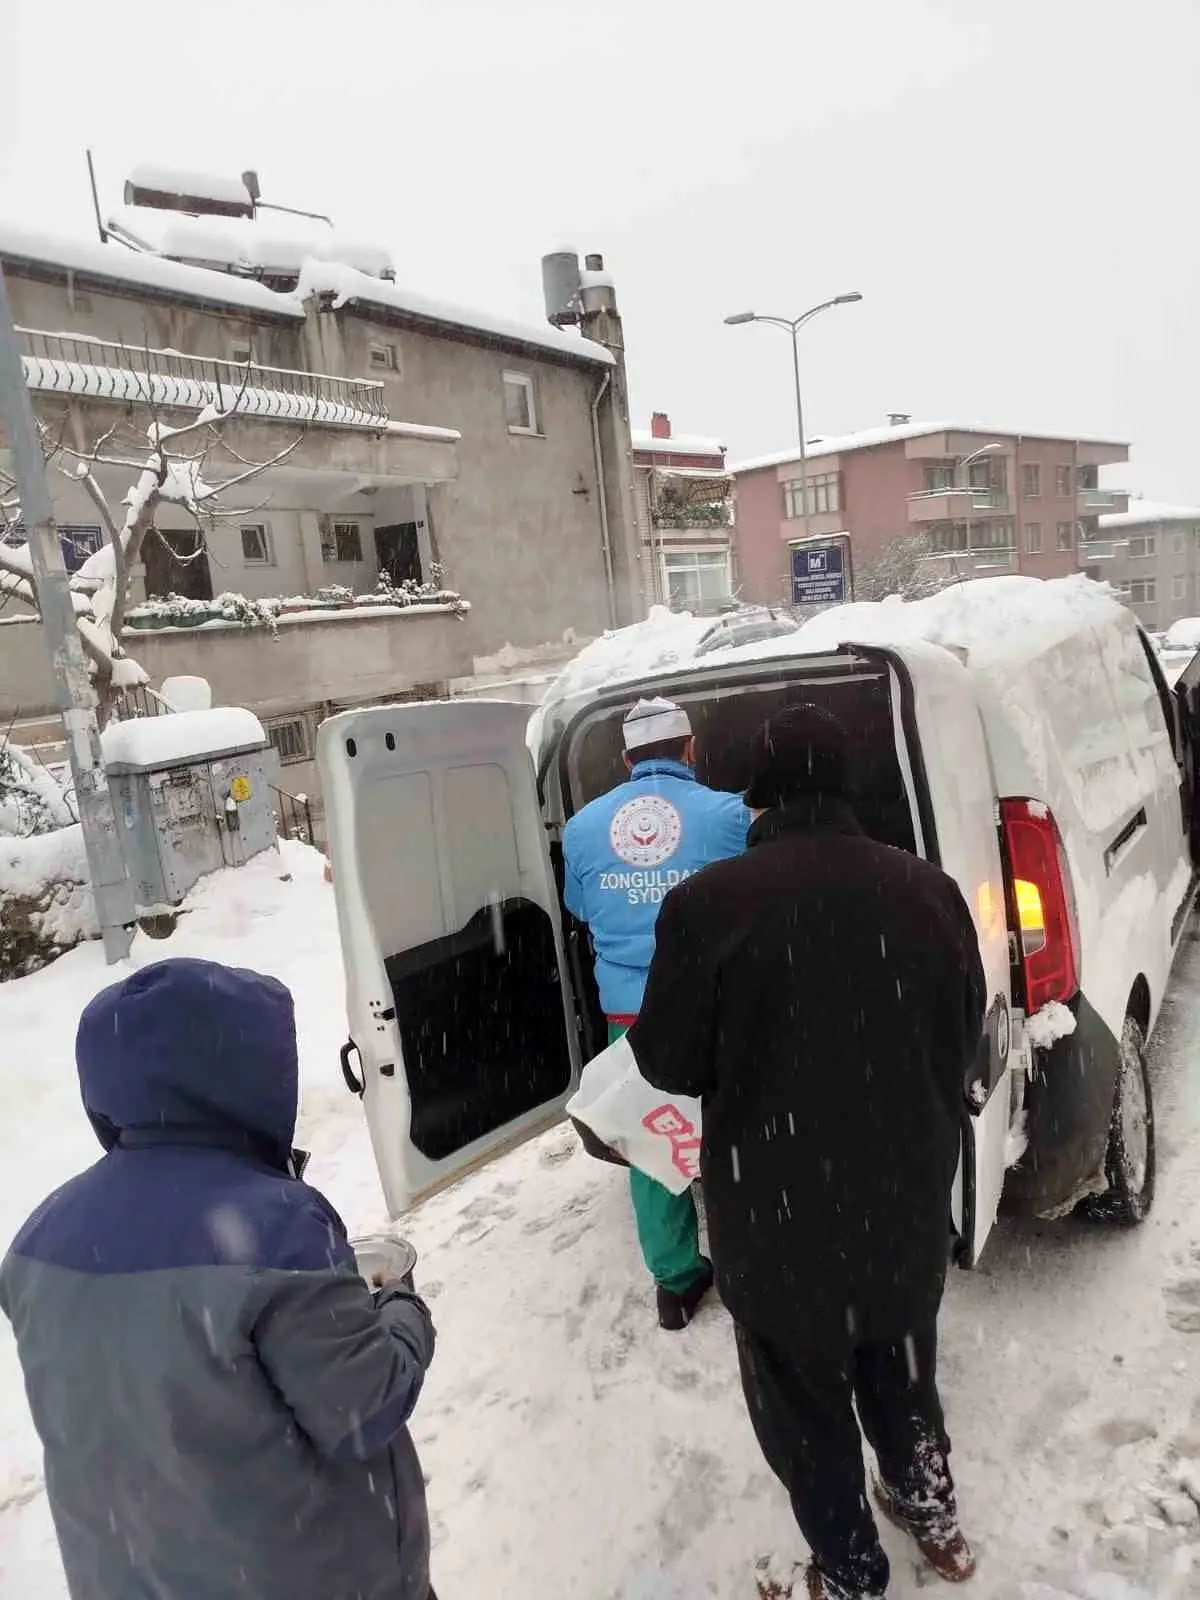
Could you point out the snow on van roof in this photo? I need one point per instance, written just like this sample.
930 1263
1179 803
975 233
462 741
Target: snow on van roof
997 621
1149 511
868 438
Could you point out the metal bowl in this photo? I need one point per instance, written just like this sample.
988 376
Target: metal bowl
383 1253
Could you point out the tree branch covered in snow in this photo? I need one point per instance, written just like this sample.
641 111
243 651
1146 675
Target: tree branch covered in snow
903 568
166 464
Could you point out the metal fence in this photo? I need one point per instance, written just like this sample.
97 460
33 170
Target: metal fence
78 364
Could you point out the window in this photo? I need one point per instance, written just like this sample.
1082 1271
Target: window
1089 477
947 536
341 541
256 545
520 408
1062 480
381 356
1179 587
696 579
1143 591
1031 480
1178 543
241 351
1033 538
939 479
822 495
290 739
1145 544
77 543
1066 536
997 535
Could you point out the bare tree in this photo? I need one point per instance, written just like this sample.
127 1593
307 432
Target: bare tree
165 464
904 568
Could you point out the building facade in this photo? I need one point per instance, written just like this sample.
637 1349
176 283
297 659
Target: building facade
953 499
1150 553
442 449
683 495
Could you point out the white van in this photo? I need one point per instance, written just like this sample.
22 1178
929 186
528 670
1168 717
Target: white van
1019 733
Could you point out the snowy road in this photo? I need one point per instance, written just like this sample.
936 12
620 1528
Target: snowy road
574 1451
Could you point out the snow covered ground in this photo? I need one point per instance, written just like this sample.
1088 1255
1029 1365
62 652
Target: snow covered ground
575 1451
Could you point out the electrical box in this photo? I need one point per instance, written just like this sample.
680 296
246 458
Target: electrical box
191 793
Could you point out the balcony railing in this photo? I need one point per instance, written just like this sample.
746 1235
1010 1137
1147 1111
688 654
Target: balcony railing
1102 499
953 504
76 364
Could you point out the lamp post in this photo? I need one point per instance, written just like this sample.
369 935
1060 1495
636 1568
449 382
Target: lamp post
793 326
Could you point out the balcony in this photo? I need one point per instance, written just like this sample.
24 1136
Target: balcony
75 364
955 505
345 657
1101 502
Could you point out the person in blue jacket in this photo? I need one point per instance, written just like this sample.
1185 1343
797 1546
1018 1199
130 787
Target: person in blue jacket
624 852
221 1398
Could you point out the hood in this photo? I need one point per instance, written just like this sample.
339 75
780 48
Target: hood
191 1045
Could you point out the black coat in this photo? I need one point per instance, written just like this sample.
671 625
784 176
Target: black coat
824 995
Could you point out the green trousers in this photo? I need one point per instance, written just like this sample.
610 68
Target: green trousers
667 1228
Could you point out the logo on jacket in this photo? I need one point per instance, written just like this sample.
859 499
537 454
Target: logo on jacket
646 832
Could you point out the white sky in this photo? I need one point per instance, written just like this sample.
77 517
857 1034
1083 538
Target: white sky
1010 183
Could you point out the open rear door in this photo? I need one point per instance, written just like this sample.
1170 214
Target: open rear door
961 785
458 1005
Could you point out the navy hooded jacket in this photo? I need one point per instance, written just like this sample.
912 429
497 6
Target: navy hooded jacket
221 1399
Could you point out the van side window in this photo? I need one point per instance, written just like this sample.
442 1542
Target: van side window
1144 711
1165 698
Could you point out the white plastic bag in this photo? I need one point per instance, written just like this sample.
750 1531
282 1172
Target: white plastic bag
657 1133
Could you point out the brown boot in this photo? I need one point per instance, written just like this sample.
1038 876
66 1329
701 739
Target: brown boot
944 1548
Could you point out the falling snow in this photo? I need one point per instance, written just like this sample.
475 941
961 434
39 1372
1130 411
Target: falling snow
571 1448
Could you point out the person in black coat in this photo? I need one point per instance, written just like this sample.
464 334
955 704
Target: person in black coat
824 996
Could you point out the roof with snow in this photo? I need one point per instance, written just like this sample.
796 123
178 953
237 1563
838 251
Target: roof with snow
680 444
113 263
1142 512
344 284
869 438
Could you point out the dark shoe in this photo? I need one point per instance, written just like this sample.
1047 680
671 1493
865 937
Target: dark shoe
822 1588
944 1547
675 1311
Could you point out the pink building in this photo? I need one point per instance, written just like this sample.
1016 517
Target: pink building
978 500
682 496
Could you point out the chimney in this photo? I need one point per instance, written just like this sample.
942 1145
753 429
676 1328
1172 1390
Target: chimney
898 419
660 425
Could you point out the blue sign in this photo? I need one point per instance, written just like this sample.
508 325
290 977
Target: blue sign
818 576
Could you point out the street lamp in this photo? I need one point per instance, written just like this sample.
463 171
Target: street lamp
793 326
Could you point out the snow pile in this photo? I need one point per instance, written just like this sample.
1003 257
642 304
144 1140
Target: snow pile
45 900
181 736
1047 1026
32 801
190 185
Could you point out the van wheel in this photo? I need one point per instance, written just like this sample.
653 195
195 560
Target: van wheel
1130 1165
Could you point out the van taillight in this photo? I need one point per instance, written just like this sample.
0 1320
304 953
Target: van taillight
1041 895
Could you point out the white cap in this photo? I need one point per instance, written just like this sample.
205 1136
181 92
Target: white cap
655 721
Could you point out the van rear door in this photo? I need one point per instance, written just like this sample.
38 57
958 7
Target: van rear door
460 1012
925 784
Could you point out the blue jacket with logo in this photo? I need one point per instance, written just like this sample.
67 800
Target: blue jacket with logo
623 853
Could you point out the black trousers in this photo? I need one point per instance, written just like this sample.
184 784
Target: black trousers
802 1408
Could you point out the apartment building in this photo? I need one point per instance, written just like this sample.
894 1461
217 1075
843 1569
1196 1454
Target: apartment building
965 500
683 495
443 447
1150 553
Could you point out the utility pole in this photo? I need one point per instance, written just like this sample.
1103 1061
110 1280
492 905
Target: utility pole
111 888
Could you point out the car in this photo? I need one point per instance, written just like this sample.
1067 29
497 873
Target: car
1020 734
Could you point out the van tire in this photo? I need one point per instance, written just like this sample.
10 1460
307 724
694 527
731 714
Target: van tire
1129 1165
